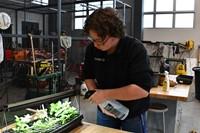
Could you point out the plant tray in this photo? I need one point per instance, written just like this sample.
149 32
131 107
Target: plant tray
63 128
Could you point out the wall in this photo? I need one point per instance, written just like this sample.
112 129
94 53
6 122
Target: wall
30 17
177 35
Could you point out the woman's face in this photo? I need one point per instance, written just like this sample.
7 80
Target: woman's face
104 44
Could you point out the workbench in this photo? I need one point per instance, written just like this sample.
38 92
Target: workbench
172 99
93 128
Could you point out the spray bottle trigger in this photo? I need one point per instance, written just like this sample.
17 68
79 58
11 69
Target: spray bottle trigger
89 93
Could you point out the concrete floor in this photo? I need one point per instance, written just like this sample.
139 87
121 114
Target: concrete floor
190 109
190 119
190 116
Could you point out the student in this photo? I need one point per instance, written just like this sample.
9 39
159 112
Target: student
117 67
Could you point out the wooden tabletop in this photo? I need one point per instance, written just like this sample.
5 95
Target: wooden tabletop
179 92
84 128
93 128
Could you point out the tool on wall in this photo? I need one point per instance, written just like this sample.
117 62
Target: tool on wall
66 43
33 53
164 65
180 69
189 44
173 49
177 50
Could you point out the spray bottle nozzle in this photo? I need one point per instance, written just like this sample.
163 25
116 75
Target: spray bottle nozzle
89 93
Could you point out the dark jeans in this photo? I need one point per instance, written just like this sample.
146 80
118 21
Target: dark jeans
136 124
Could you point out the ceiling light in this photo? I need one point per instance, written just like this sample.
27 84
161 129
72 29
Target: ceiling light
17 1
54 9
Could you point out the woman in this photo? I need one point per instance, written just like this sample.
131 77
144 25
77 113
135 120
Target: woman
117 67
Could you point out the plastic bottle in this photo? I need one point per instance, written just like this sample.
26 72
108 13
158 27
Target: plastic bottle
166 83
83 89
114 107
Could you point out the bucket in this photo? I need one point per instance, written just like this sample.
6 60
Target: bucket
197 81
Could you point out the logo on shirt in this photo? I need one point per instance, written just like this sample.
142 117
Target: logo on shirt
99 59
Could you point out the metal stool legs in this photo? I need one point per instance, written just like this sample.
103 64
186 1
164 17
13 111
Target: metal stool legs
163 122
159 108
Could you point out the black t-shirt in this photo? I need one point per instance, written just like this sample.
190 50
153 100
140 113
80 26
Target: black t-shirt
129 64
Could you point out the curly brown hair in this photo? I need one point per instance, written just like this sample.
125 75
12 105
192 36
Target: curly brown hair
105 21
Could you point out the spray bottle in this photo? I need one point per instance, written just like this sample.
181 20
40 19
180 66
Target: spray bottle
166 83
112 106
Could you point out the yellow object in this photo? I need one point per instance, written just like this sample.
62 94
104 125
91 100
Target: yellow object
166 82
44 64
189 44
180 69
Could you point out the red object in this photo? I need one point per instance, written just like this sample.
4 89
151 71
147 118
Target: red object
81 69
8 54
20 54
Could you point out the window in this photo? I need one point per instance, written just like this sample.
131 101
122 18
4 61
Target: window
107 4
82 10
93 5
169 13
181 22
148 19
41 2
164 20
164 5
185 5
80 15
148 5
79 22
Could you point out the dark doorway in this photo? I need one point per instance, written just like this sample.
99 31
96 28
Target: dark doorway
33 28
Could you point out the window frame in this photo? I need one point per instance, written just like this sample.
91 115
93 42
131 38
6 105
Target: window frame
174 12
88 9
40 2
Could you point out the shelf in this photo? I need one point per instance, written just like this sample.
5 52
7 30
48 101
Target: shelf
39 100
155 56
47 76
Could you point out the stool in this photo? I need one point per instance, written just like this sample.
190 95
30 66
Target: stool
159 108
